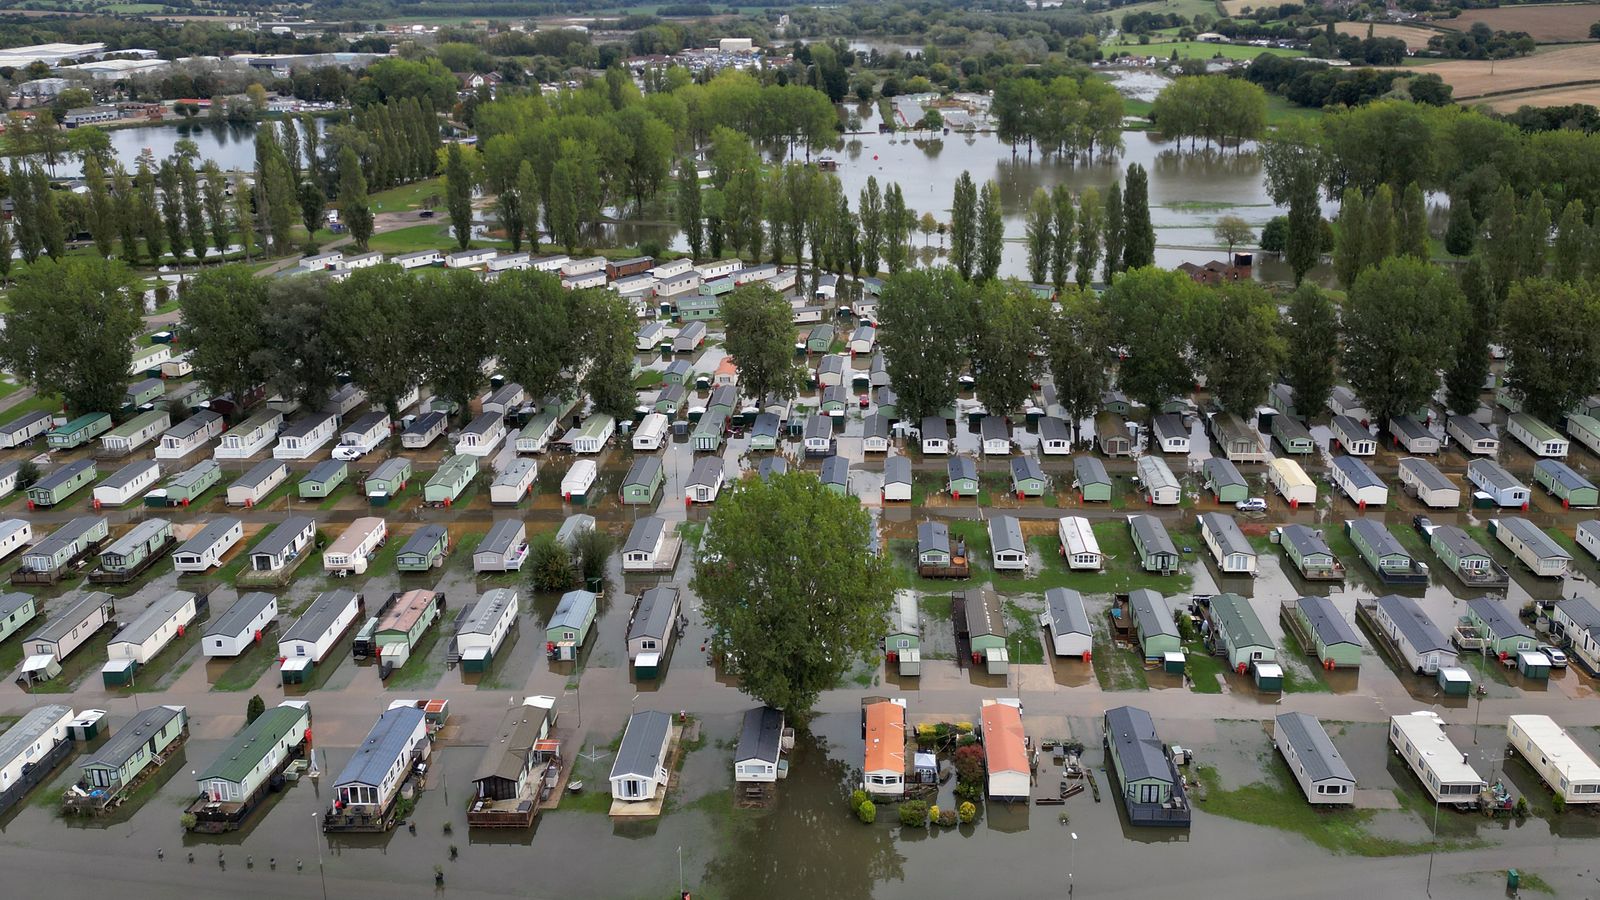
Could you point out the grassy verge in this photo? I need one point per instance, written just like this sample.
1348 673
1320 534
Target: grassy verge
248 668
1116 670
1023 641
1205 671
421 670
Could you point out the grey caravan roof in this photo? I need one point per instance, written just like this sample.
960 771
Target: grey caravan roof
640 752
1358 473
645 470
1412 623
1472 428
390 469
321 615
935 427
1499 621
875 425
1378 538
1326 622
1492 473
129 473
835 470
208 535
283 536
1459 542
241 613
484 615
366 423
65 621
897 470
326 471
424 539
1409 427
933 536
130 738
766 425
818 426
653 618
63 474
137 535
994 428
36 724
1151 613
1065 608
772 465
1052 429
760 737
1313 748
424 423
983 613
1579 610
1153 535
502 536
1005 535
1222 473
1563 474
1427 473
1168 425
260 472
382 746
573 526
1088 470
645 534
705 471
1537 541
1023 467
153 618
65 535
1305 540
962 467
1132 733
307 424
10 603
1226 533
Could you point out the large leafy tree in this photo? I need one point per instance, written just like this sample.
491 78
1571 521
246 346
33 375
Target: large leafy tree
1138 234
370 320
759 325
1078 355
1401 322
1237 344
1006 358
1293 161
964 226
1552 339
225 328
535 338
305 359
789 587
452 313
1150 312
924 313
1463 381
70 330
608 331
1311 347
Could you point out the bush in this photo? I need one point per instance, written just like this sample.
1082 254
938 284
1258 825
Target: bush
933 812
552 565
27 474
254 709
967 812
970 790
867 812
914 814
966 740
969 764
858 797
947 818
187 820
593 551
1558 803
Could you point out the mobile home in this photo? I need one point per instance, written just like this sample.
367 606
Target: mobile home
1420 740
362 436
208 546
1079 547
189 435
1344 402
503 549
689 337
511 485
424 430
1539 438
1415 437
1068 623
1565 484
764 433
425 549
1588 536
1239 442
1335 642
883 770
1578 620
643 482
14 535
568 627
312 637
1292 436
1353 437
142 639
484 629
935 435
1583 428
639 772
707 436
1008 550
1424 480
351 551
187 486
16 610
253 486
706 478
1148 782
896 479
1503 634
403 625
450 481
78 432
593 434
996 435
1321 772
251 436
241 627
24 429
323 479
127 483
1423 648
1027 477
981 618
1291 482
1474 439
652 432
48 560
482 435
1168 434
1160 486
651 546
1358 482
306 436
1310 553
54 488
287 541
134 552
1156 551
242 775
758 757
366 791
961 477
1465 557
1387 557
387 480
650 630
1233 553
139 745
1224 481
1500 486
903 643
579 479
64 633
1565 767
1054 440
1005 752
31 749
817 439
1238 634
1091 480
1532 546
1112 436
8 477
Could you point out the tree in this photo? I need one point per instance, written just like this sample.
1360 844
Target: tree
1311 347
1112 226
22 213
353 201
528 197
1552 341
1089 224
758 322
1572 242
1351 251
52 230
1533 236
102 208
1063 229
1006 360
7 247
1232 231
451 310
369 321
305 361
125 202
70 330
550 565
1237 344
225 330
244 218
1411 231
1138 234
1500 241
1041 241
964 226
1469 369
690 212
1077 342
536 339
1461 233
312 203
896 221
991 232
1294 164
871 215
458 197
1380 241
1150 311
607 334
254 709
918 313
1401 322
787 588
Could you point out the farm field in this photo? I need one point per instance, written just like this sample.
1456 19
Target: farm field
1185 8
1202 50
1415 38
1235 7
1567 96
1568 66
1550 23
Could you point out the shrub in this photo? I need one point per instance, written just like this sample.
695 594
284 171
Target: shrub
187 820
947 818
967 812
858 797
593 550
27 474
969 764
969 790
254 709
1558 803
551 568
966 740
933 812
914 813
867 812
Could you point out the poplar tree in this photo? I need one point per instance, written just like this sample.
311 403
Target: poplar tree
528 194
102 208
964 226
215 198
1572 242
1349 250
871 215
1063 227
353 198
52 231
458 190
991 232
1041 239
22 213
1089 223
1138 234
1411 235
896 220
126 201
691 216
1379 243
194 213
1113 225
172 208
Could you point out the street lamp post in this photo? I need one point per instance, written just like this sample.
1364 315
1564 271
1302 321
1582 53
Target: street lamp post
1072 855
316 835
1434 846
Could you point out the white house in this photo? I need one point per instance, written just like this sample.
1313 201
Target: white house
485 627
470 259
1079 546
208 546
66 631
424 430
1161 487
1291 482
758 755
351 551
511 485
1564 766
1344 402
1358 482
308 641
1473 437
1354 437
883 771
1420 642
579 478
482 435
550 263
1442 768
238 629
189 435
1067 622
1007 549
1501 486
142 639
286 542
370 783
1413 435
251 436
1321 772
640 769
505 399
363 435
1168 435
1528 543
127 483
1423 479
253 486
652 431
14 535
306 436
705 480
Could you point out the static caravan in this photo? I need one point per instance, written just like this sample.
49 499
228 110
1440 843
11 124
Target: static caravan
651 628
1532 546
1111 435
1422 646
1224 481
470 259
511 485
425 549
308 641
1502 488
863 339
207 548
387 480
1538 437
1358 482
246 770
141 744
935 435
31 749
285 544
640 771
1475 439
820 338
883 771
1233 553
484 629
1238 634
1583 428
133 552
321 261
251 436
875 434
127 483
419 259
1465 557
306 436
323 479
671 268
1068 623
764 433
584 266
1420 740
593 434
14 535
706 478
149 358
424 430
652 432
650 336
1053 437
1387 557
450 481
903 643
64 633
689 337
708 434
352 550
817 439
579 479
23 429
503 549
1168 434
1424 480
1353 437
48 560
979 615
831 370
1588 536
1027 477
1152 792
253 486
651 546
1239 442
550 263
1156 551
187 486
1334 641
401 628
1565 484
189 435
78 432
1415 437
758 757
146 636
1564 766
1005 752
482 435
1344 402
1322 773
54 489
896 479
363 435
1160 486
1503 634
1292 436
569 625
1291 482
996 435
1006 545
961 477
1575 618
643 482
367 790
1079 547
8 477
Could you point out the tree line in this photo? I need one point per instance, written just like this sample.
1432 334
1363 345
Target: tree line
1070 115
1215 110
1115 233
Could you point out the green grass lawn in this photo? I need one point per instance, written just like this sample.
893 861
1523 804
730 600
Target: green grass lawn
1205 670
409 196
428 236
421 670
1116 669
248 668
1198 49
1022 640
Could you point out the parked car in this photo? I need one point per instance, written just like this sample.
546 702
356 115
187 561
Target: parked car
1557 656
1252 504
425 214
1423 525
866 400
